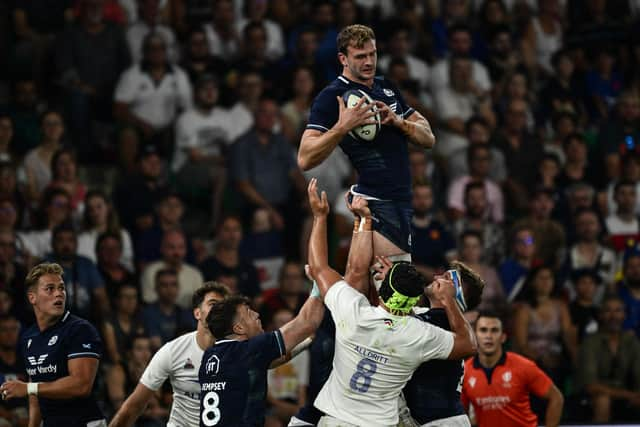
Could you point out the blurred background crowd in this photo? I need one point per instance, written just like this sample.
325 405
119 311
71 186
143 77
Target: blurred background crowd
148 145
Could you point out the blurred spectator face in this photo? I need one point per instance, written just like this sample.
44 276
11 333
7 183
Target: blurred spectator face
564 126
9 331
255 43
266 116
460 42
478 134
629 108
307 44
171 210
148 11
626 199
8 214
7 247
281 318
542 205
471 249
223 14
581 198
585 288
207 95
151 166
347 13
517 87
303 82
460 77
549 7
198 45
418 164
494 12
141 350
230 233
323 16
480 162
109 252
93 11
502 45
543 282
565 67
456 9
52 127
7 179
399 73
587 226
524 245
261 222
6 131
476 202
65 168
167 288
256 9
127 301
422 200
229 281
26 95
6 302
612 315
399 43
631 169
65 245
250 88
97 209
576 150
173 248
605 61
549 169
291 281
516 115
632 271
155 51
59 209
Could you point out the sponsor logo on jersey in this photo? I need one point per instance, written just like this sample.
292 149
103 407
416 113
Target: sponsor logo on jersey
388 323
394 107
212 366
53 340
29 343
388 92
188 364
41 358
87 346
472 382
506 377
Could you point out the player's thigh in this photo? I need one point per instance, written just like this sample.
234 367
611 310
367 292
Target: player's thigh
392 226
457 421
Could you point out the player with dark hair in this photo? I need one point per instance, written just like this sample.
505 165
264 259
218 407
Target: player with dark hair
499 383
383 163
61 353
179 361
377 348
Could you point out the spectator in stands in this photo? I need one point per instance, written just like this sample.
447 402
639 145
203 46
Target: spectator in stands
290 293
476 219
11 190
197 60
25 111
295 112
203 137
169 216
433 246
563 124
578 196
453 12
503 58
620 134
37 162
303 55
86 294
253 57
589 252
603 83
224 39
256 11
14 412
542 329
399 47
226 259
55 209
64 175
149 21
576 167
543 37
521 150
165 320
471 253
548 234
6 137
108 252
478 132
12 276
174 250
630 172
123 324
623 228
150 94
99 217
514 269
609 367
629 290
249 92
455 101
425 168
583 309
265 173
136 196
90 55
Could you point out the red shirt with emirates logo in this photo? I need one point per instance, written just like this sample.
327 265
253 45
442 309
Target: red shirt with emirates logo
500 396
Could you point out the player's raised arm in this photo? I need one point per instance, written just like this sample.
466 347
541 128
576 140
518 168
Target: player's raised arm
416 127
133 407
316 145
361 250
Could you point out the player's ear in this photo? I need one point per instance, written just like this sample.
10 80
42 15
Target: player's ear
503 338
31 296
197 313
342 58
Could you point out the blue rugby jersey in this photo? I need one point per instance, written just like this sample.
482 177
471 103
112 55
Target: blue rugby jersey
233 380
434 390
382 164
46 354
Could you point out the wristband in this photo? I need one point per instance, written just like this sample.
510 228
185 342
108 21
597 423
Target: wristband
315 291
32 388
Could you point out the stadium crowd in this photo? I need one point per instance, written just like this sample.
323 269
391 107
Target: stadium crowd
148 146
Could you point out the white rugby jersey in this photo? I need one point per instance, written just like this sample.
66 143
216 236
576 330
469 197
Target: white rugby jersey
178 360
376 353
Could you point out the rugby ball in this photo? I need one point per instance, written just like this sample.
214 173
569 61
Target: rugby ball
368 132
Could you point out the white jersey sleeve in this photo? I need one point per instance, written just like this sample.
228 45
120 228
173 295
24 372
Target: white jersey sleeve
158 370
344 302
436 343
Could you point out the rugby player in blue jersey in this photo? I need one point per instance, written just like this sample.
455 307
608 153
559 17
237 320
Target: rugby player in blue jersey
61 353
384 178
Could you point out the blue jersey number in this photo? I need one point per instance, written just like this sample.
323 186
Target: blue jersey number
366 368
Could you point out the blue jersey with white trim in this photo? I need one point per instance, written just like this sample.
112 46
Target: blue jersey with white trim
46 354
382 164
233 380
433 393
